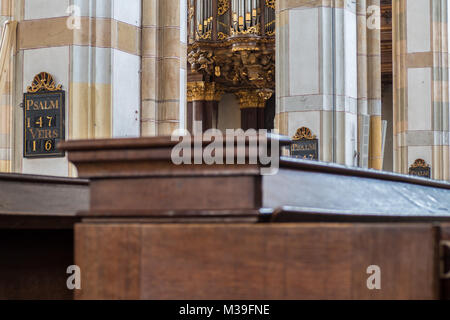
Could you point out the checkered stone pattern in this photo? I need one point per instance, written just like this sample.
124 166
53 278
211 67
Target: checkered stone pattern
421 91
164 53
6 96
119 62
324 86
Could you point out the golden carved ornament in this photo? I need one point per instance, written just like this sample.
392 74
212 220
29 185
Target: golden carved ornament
205 36
221 36
303 133
201 91
201 61
231 41
223 6
195 91
420 163
252 30
253 98
217 72
270 33
43 82
271 4
236 69
243 48
213 92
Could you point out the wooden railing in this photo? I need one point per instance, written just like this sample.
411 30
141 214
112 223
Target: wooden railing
157 230
37 217
149 229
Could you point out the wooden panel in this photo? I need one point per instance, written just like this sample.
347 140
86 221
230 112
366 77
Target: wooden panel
109 258
407 256
36 222
37 215
33 264
287 262
445 284
335 190
187 193
256 261
144 157
42 195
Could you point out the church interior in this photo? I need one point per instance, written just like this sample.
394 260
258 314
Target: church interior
224 149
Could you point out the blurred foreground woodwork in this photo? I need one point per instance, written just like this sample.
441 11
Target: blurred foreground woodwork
150 229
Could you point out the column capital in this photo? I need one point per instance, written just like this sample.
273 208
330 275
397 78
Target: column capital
195 91
204 91
213 91
253 98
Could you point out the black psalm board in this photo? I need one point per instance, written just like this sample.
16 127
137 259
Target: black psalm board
305 145
305 149
44 123
420 169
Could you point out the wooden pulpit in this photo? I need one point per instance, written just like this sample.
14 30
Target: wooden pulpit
157 230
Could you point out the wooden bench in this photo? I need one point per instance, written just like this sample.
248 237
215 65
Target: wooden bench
37 217
155 230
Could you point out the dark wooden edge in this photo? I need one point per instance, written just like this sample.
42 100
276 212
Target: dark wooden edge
308 165
42 179
444 254
296 214
37 214
285 162
136 154
439 284
139 214
37 221
172 220
116 144
141 143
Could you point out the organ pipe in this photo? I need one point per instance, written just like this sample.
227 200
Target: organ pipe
217 20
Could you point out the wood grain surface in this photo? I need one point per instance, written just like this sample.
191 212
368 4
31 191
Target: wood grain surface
175 193
256 261
42 195
445 255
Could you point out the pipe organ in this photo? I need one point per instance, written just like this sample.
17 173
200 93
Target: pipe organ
231 48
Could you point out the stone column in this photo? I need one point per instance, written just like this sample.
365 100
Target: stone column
202 108
93 50
374 83
161 64
195 104
317 74
8 33
105 71
213 94
369 79
252 104
104 77
421 92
